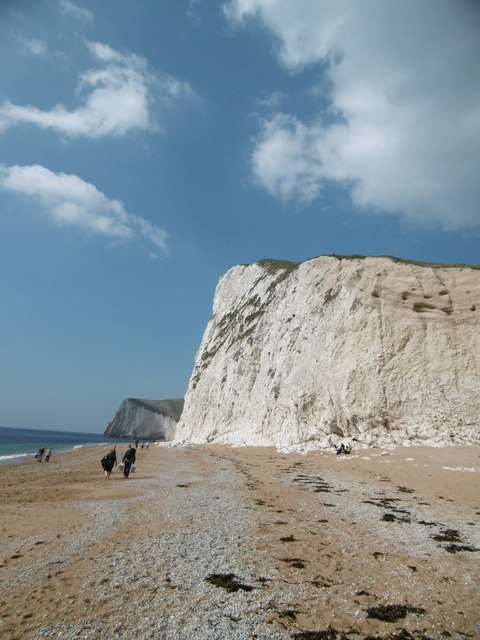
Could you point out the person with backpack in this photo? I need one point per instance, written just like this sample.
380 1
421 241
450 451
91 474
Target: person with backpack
128 460
109 461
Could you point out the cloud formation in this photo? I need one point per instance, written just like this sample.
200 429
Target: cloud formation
402 130
122 94
79 13
67 200
32 45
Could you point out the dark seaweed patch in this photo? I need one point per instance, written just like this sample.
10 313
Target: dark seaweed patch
288 539
402 634
298 563
322 583
448 535
453 536
333 634
288 613
405 490
455 548
389 503
326 634
392 612
227 581
313 483
390 517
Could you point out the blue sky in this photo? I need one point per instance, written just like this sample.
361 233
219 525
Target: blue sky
146 147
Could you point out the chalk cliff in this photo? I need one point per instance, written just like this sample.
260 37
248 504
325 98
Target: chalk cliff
149 419
300 355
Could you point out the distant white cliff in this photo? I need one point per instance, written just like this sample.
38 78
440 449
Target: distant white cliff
301 355
149 419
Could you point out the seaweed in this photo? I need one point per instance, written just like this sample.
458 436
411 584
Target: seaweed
314 483
288 613
448 535
227 581
392 612
390 517
326 634
298 563
455 548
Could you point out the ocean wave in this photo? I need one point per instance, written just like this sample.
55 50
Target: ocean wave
15 455
90 444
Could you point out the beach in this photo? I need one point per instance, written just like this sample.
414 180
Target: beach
213 542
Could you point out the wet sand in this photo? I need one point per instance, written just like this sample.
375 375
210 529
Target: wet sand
242 543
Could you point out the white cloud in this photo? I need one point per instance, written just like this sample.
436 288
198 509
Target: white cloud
285 160
404 102
75 11
272 100
32 45
67 200
122 94
194 11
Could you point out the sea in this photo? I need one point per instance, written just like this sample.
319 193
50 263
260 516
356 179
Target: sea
21 444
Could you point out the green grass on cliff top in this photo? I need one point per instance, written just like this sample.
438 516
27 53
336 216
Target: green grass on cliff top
275 265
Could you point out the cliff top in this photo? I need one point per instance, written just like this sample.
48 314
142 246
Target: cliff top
172 407
273 264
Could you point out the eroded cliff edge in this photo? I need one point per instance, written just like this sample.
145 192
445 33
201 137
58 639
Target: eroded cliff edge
149 419
298 355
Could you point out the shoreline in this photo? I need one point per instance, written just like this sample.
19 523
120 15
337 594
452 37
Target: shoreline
16 458
24 457
291 543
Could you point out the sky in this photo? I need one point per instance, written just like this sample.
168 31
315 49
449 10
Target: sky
147 147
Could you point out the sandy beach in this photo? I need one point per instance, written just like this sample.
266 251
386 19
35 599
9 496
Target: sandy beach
235 543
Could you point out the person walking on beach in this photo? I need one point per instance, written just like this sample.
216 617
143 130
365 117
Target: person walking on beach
39 455
109 461
47 455
128 459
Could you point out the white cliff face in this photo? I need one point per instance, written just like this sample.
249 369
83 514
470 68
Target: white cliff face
297 356
153 419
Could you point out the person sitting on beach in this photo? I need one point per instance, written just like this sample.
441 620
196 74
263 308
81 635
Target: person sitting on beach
343 448
109 461
128 460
